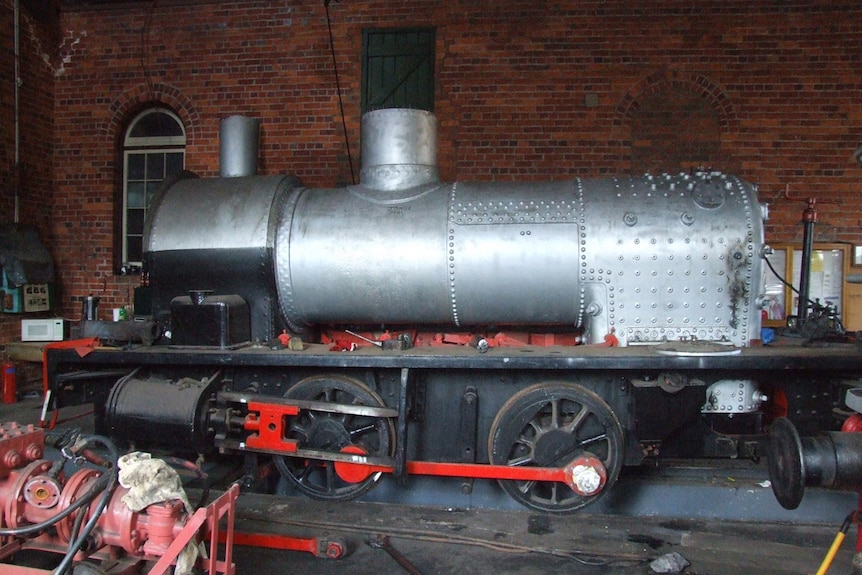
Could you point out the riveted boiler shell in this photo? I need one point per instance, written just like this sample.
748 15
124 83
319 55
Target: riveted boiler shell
674 257
649 258
476 254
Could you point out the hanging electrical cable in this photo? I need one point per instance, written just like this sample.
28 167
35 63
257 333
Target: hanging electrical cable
338 88
84 533
145 47
17 82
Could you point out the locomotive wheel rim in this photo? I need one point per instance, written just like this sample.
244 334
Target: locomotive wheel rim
335 432
549 425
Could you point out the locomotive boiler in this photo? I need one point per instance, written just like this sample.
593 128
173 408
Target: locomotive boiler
541 334
648 259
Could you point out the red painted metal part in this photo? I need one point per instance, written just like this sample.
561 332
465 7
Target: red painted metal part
359 471
324 548
207 517
853 424
346 341
83 347
21 570
21 444
158 534
267 422
33 492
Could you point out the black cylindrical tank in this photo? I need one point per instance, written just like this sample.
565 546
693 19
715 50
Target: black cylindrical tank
152 410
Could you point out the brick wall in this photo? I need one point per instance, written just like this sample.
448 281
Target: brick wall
30 178
525 91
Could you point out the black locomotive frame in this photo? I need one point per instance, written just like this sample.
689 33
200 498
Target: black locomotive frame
442 400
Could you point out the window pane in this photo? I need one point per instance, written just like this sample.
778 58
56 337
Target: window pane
154 145
173 164
134 249
154 125
155 166
135 221
398 69
136 166
152 188
135 195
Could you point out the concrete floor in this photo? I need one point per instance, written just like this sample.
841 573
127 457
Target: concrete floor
480 541
724 520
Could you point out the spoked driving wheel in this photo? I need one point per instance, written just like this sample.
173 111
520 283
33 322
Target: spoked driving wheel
554 425
333 432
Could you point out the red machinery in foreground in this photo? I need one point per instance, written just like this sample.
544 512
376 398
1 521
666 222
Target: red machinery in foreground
84 517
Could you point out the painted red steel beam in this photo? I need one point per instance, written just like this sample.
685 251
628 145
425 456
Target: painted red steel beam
324 548
585 474
488 471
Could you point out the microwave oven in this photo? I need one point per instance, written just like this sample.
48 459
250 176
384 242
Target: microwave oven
42 329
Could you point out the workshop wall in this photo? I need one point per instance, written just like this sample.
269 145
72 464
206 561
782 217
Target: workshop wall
28 177
524 91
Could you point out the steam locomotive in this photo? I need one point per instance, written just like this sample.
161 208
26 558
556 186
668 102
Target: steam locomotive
543 334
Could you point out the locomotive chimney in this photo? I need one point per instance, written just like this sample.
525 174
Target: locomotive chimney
399 149
238 146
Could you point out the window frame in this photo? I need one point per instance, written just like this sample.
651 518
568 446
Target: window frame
146 146
430 53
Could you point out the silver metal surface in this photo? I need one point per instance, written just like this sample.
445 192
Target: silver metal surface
324 406
217 213
696 349
853 399
512 253
647 259
677 257
345 257
729 396
239 138
399 149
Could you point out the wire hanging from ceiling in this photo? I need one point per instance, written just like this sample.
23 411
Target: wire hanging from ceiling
338 88
145 41
17 82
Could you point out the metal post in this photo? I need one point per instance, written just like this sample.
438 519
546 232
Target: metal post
809 218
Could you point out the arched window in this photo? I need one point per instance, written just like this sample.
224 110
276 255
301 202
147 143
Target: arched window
153 150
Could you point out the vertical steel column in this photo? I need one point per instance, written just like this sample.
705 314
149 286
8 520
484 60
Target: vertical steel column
809 218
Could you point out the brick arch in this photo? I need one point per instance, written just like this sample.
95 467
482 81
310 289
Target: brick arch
673 121
140 97
678 80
